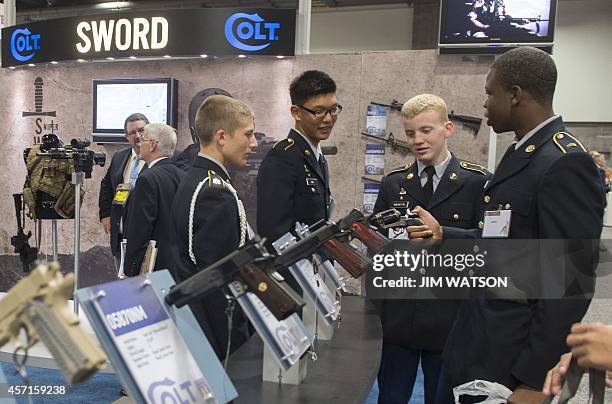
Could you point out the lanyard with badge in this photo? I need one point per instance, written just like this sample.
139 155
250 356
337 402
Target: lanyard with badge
123 190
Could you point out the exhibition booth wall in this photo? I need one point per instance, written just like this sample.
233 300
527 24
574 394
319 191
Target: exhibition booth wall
263 83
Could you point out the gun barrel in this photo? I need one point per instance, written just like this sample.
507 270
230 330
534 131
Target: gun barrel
77 356
18 205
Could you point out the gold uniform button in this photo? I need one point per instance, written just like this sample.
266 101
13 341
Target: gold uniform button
262 287
481 224
487 199
313 190
409 176
507 206
456 216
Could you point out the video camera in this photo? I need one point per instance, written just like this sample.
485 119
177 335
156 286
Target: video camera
83 159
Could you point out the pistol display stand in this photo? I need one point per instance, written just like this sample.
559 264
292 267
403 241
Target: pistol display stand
77 180
275 374
54 239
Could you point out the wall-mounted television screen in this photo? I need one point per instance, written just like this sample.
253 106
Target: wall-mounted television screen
493 23
114 100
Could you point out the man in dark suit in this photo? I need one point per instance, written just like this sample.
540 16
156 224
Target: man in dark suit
550 186
415 330
209 217
293 178
149 213
124 169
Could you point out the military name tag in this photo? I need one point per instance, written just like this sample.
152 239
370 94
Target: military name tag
311 182
496 223
400 204
121 194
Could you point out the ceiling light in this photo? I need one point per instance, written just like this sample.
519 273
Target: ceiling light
203 56
53 62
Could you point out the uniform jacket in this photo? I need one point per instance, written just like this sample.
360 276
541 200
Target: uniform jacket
291 187
552 187
216 233
424 324
150 216
114 177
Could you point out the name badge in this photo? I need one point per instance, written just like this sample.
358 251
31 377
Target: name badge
496 223
400 204
121 194
311 181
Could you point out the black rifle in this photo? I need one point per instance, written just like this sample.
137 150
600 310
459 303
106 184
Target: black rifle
369 179
27 254
395 104
470 122
395 144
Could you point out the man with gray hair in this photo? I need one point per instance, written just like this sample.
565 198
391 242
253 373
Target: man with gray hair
149 216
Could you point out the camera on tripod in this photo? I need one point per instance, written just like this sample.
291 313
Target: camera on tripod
83 159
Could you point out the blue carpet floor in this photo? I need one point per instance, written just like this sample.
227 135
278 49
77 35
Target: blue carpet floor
101 388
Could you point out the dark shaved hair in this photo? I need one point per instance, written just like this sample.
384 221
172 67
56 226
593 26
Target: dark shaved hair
310 84
533 70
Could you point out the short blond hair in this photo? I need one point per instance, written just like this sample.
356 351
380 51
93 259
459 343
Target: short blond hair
220 112
422 103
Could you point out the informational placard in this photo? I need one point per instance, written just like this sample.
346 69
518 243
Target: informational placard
374 159
376 122
311 283
370 193
287 339
148 341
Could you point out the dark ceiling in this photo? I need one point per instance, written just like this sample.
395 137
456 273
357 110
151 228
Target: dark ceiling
23 5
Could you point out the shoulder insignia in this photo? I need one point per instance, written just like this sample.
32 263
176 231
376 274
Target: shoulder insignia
290 142
400 169
567 143
214 180
466 165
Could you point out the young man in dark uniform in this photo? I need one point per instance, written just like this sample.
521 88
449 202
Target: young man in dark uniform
416 330
209 217
293 179
550 187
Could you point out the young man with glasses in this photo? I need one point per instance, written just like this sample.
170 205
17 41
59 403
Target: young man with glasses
293 179
120 178
149 215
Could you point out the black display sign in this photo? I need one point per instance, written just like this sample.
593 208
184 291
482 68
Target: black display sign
215 31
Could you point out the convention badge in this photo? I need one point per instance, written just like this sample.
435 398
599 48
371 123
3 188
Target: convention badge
496 223
121 194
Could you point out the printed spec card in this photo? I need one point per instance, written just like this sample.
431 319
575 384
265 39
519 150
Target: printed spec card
375 159
149 341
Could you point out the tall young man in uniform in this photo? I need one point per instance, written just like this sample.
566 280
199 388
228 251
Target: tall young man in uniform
209 217
293 179
149 214
122 173
416 330
551 188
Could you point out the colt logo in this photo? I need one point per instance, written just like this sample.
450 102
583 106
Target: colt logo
251 26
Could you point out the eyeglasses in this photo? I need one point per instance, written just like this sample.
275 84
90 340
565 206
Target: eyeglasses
322 113
144 139
140 131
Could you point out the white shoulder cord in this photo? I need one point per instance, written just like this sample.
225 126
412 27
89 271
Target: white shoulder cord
241 215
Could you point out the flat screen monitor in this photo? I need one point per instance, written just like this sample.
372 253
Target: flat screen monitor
114 100
496 23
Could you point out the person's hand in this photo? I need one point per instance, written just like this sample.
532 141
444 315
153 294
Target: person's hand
106 224
524 394
591 345
556 376
429 229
